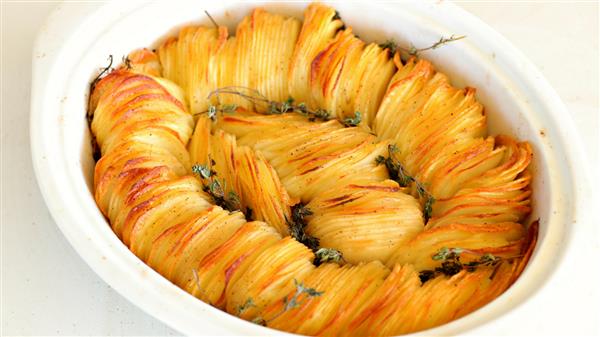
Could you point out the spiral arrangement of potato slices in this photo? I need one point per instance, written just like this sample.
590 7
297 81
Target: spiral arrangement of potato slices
208 198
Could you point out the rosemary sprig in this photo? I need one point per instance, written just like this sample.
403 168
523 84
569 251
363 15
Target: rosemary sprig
451 264
393 47
297 225
213 186
323 255
294 302
398 173
270 107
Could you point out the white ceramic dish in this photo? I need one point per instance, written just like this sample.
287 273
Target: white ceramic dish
76 40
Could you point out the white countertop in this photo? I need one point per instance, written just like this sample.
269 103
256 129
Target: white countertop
47 289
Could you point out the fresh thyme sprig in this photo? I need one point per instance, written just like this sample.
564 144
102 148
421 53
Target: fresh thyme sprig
393 47
269 106
213 186
96 153
297 227
336 16
353 121
293 302
105 71
323 255
247 305
211 19
451 264
398 173
126 62
222 108
297 230
259 320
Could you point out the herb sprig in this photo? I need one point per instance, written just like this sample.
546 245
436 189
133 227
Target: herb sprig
297 227
399 173
216 188
353 121
300 296
223 108
126 62
96 153
297 230
324 255
451 264
211 19
393 47
247 305
105 71
269 106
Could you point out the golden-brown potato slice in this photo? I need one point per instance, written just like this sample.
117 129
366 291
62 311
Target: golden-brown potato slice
177 251
365 221
342 291
229 261
318 29
269 278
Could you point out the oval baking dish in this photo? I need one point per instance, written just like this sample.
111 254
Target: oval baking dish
77 40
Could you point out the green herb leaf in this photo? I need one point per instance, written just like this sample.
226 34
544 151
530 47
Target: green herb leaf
295 301
288 105
412 50
322 114
390 45
324 255
232 201
216 189
259 320
229 108
298 223
353 121
247 305
272 107
451 264
446 253
302 109
428 207
398 173
213 186
202 170
393 47
212 112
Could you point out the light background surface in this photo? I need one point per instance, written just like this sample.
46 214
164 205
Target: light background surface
47 289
